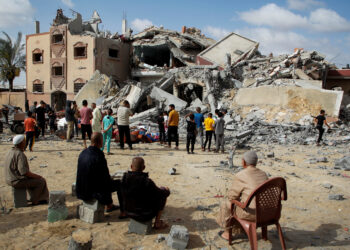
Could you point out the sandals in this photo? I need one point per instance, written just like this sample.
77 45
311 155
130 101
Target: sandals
220 235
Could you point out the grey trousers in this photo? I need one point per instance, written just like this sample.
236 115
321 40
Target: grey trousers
201 135
37 189
220 141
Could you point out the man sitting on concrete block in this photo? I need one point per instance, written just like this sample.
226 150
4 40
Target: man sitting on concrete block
18 175
142 199
93 179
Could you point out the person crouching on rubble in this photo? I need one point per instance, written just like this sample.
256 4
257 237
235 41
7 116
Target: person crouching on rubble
107 124
319 121
142 199
242 185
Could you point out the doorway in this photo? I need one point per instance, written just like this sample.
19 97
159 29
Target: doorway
58 100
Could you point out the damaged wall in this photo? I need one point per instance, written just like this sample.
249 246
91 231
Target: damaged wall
302 100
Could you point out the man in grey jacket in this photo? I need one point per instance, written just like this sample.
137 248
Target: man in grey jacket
219 131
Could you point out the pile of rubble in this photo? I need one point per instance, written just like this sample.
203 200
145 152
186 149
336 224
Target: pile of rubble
269 99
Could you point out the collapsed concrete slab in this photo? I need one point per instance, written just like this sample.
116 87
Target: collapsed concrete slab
134 96
303 101
238 47
167 98
92 89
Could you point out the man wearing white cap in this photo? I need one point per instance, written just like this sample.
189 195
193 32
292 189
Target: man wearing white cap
243 184
18 175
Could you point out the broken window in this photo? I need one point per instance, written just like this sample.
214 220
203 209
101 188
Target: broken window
78 86
58 38
189 92
37 57
38 87
114 53
57 71
157 55
79 52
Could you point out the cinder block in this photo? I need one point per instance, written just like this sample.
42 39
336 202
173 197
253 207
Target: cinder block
138 227
57 199
57 209
19 197
91 211
178 237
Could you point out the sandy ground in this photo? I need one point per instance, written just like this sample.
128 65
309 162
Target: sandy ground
309 219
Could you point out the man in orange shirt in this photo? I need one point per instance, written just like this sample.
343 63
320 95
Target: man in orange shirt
173 123
209 130
29 126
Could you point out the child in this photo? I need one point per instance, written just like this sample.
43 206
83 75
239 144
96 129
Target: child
209 130
29 126
191 133
219 131
107 125
160 121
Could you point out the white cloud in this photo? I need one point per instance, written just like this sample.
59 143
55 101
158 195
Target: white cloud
15 12
320 20
140 24
277 42
274 16
216 32
68 3
303 4
328 21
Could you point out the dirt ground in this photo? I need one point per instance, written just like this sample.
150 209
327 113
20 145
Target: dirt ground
309 219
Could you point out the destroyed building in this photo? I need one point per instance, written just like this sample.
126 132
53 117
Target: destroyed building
60 62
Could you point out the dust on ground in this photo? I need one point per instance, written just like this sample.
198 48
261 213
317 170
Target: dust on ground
309 219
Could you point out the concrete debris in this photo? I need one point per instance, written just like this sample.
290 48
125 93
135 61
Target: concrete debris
343 163
178 237
337 197
226 75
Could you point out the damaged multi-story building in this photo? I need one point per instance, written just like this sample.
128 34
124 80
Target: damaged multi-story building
60 62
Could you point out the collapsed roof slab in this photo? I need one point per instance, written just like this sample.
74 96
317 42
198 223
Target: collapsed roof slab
235 45
304 101
167 98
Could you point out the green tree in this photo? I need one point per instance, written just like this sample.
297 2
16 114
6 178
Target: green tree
12 58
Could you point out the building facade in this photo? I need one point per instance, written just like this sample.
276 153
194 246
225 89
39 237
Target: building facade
61 61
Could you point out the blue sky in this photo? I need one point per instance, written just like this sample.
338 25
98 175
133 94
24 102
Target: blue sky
279 26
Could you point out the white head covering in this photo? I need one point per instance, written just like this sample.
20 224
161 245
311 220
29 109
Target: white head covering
251 158
17 139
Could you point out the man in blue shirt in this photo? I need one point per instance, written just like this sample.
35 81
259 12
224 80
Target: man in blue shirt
107 125
199 119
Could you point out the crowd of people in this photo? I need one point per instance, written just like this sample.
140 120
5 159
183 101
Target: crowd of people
139 197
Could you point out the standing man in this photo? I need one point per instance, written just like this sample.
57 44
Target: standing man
173 124
86 116
69 115
107 124
124 112
76 118
40 117
219 131
33 108
209 130
29 128
96 118
160 121
93 179
199 119
319 121
18 175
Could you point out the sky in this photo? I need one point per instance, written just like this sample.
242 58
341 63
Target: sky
278 26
